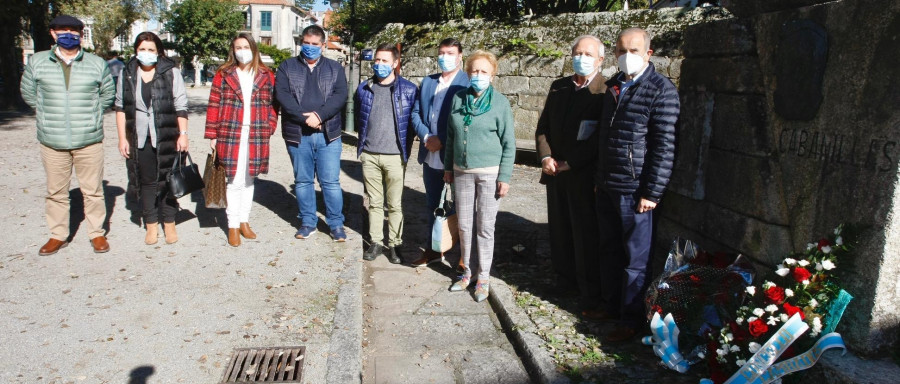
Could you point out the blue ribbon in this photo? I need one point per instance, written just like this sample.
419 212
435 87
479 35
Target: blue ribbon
759 368
664 339
750 372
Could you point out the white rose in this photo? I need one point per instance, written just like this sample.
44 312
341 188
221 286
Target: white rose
741 362
753 347
839 241
810 246
789 292
826 249
782 270
739 320
805 282
759 312
828 265
751 290
721 352
768 284
735 348
837 231
784 317
813 303
772 320
803 263
752 319
819 266
771 308
790 261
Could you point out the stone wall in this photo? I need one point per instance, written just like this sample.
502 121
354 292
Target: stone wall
534 52
789 127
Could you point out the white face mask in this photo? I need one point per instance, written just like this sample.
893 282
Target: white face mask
630 63
243 56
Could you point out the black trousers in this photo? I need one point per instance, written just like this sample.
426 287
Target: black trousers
573 223
154 192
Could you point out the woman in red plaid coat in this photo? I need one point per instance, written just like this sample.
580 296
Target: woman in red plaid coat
240 119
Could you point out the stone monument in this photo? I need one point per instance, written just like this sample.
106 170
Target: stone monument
789 127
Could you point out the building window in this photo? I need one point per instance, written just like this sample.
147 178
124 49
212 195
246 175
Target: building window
247 20
265 40
265 21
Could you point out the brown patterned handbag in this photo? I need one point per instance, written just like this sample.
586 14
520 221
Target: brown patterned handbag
215 179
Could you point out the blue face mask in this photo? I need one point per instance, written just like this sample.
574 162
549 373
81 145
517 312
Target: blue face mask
310 51
68 40
583 65
382 70
480 82
447 62
146 58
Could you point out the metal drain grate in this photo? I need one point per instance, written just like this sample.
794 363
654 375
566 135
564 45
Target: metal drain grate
265 365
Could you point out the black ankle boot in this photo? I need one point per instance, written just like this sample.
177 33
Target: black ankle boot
373 252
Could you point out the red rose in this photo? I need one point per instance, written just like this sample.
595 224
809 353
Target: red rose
775 295
657 309
801 274
791 310
758 328
823 243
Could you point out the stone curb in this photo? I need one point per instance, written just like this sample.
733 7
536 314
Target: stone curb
523 335
345 347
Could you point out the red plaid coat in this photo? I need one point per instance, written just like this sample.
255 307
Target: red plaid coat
225 114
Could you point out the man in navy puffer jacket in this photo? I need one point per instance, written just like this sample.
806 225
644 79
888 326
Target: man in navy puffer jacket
384 106
637 149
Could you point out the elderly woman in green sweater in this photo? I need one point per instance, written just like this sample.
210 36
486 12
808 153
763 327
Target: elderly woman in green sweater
481 147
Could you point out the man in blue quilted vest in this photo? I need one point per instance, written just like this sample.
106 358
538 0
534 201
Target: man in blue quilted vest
637 149
384 104
69 89
312 91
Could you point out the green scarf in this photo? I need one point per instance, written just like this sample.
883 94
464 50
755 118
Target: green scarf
474 107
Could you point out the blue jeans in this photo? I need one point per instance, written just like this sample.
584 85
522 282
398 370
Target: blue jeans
314 158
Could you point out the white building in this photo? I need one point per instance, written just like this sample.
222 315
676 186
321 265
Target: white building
278 23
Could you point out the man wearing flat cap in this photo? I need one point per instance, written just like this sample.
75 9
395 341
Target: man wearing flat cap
69 89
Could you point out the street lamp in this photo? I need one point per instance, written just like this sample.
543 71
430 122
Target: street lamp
348 113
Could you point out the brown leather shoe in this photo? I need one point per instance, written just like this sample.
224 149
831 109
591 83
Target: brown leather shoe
234 237
171 235
620 334
247 232
428 257
597 315
52 247
100 245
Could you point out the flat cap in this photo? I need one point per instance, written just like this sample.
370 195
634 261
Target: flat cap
66 21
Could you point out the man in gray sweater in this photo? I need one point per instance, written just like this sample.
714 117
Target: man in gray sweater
385 104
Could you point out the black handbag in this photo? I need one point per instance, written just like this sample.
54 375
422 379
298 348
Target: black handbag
185 176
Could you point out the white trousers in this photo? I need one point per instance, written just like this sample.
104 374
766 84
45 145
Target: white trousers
240 190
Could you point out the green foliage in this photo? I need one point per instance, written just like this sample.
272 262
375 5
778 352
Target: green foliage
363 19
204 28
548 53
277 55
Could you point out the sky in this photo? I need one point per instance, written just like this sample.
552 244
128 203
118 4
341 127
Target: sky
321 6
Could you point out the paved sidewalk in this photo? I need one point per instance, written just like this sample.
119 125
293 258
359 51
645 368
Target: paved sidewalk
419 332
164 313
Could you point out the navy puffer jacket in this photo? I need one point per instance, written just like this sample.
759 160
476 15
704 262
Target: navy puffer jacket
403 96
637 148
